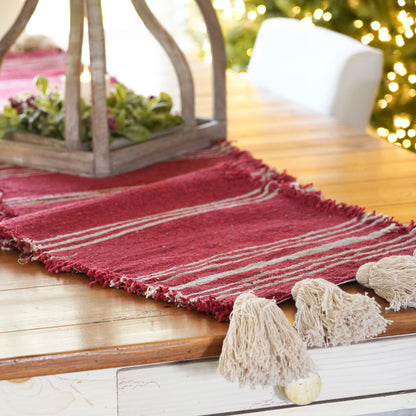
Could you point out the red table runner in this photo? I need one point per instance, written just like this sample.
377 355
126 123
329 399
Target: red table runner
196 231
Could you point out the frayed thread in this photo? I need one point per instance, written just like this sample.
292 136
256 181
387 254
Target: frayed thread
326 315
393 278
261 347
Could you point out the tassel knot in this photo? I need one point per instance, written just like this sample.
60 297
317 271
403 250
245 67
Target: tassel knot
326 315
261 347
392 278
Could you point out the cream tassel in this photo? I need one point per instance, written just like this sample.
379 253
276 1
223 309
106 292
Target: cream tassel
326 315
261 347
392 278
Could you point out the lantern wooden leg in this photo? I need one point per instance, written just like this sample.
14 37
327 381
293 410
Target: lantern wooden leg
72 82
182 70
218 59
100 131
18 26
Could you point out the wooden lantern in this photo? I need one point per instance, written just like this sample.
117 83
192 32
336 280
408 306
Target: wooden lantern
69 156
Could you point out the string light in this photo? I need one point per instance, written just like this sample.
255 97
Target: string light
393 86
384 35
366 39
400 133
327 16
261 9
318 13
406 143
401 121
399 41
295 11
358 24
382 132
400 68
391 137
252 15
382 103
408 33
375 25
402 16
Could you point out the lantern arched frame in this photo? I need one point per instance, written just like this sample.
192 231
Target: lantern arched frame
70 156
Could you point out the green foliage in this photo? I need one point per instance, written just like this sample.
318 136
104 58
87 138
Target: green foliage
129 115
137 117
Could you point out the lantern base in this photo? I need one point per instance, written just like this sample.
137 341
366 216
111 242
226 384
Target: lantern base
45 153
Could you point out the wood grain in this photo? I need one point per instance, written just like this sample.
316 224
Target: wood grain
218 59
346 372
72 81
99 123
57 323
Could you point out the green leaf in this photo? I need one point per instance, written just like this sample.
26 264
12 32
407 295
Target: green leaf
121 119
137 133
42 84
121 92
45 104
9 111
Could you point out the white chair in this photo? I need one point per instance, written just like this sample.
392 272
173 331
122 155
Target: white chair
319 68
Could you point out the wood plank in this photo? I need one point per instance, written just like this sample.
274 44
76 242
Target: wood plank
161 148
346 372
15 275
95 392
99 122
87 394
47 158
218 60
72 80
140 353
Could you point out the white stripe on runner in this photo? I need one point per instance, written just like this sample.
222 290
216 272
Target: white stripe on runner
367 255
247 253
60 197
310 251
267 276
153 221
136 220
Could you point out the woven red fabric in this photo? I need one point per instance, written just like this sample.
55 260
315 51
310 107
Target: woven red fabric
197 231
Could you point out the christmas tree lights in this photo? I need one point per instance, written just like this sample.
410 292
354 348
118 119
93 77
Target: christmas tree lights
387 25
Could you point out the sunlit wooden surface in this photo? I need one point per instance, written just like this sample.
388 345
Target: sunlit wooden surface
54 323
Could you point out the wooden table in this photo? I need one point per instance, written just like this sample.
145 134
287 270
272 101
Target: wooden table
55 323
